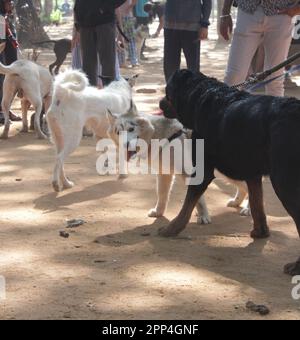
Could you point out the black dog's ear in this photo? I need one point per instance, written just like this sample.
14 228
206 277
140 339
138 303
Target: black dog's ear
184 74
180 76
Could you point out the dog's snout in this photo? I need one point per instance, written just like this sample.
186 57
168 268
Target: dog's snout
167 108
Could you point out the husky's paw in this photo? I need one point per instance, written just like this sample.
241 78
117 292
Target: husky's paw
154 213
233 203
55 186
204 220
245 212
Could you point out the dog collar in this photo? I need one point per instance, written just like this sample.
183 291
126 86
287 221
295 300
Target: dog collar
175 136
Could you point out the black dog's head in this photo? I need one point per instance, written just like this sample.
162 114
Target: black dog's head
177 91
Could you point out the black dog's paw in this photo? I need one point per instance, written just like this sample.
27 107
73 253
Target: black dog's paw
260 233
292 269
172 230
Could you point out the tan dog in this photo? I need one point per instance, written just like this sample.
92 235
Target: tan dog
147 128
33 83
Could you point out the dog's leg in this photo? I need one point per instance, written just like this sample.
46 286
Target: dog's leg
25 106
288 193
261 229
59 63
193 195
164 184
6 123
38 106
56 180
8 96
241 195
289 196
71 142
203 214
246 210
293 269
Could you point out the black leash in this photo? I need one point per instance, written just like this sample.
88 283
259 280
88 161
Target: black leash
263 75
122 33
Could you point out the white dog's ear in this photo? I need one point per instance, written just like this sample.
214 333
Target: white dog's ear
111 117
132 80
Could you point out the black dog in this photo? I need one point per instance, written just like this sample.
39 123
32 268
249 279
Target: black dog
246 137
61 49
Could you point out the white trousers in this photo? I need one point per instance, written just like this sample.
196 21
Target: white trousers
252 30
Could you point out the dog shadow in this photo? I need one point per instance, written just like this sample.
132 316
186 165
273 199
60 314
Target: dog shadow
59 201
197 247
193 233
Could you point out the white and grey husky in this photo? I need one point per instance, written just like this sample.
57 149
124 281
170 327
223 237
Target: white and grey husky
147 128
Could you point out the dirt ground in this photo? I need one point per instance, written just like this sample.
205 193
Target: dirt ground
115 266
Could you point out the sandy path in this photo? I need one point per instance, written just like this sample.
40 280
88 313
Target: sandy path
107 269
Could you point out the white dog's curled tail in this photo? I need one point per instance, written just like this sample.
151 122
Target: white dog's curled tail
72 80
7 69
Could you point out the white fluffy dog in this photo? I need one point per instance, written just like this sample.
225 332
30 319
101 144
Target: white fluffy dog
33 83
75 104
147 128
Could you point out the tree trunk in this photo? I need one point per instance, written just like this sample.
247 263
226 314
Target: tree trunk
30 28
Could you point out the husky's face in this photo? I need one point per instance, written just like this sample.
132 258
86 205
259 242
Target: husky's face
128 130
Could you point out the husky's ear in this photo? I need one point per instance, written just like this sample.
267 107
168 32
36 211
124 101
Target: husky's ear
111 117
144 123
146 128
132 80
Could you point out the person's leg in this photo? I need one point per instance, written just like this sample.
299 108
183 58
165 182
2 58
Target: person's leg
89 54
128 24
247 37
1 91
277 41
106 48
191 50
172 52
